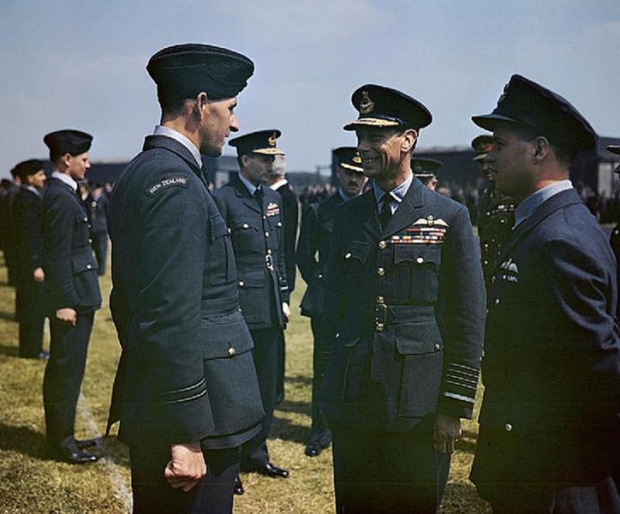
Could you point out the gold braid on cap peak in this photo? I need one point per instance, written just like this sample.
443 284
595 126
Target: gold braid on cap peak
272 140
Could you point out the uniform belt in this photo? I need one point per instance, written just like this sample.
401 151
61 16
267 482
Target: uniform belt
386 315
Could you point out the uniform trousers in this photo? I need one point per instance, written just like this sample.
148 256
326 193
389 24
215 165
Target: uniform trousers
319 433
388 472
63 376
599 498
266 350
31 317
153 495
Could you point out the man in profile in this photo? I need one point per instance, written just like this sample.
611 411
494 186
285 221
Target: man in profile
551 366
186 391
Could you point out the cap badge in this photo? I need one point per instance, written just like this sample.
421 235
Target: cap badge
366 105
272 140
357 159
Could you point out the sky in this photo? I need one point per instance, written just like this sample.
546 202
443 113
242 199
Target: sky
81 64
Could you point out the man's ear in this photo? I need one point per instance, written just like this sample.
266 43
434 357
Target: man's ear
541 148
410 136
245 160
199 105
66 160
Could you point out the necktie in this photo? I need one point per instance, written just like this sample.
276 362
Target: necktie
386 212
258 196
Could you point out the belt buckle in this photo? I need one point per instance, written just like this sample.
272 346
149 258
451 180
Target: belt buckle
380 316
269 262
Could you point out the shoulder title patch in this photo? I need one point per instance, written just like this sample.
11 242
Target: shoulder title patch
165 183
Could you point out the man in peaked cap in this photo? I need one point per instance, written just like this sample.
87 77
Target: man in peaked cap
312 255
186 391
551 366
425 170
403 321
496 216
29 259
72 292
253 214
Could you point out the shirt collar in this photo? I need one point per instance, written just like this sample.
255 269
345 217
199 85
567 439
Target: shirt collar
528 206
184 140
33 189
249 186
63 177
396 195
278 184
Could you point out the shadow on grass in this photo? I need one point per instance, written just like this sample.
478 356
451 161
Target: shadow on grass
299 380
23 440
288 430
9 351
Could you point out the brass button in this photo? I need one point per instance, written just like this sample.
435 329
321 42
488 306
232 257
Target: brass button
320 275
379 327
382 245
266 234
229 231
347 255
508 427
279 224
496 301
90 240
493 279
420 260
380 271
264 217
245 225
437 347
88 266
380 299
268 251
241 283
231 352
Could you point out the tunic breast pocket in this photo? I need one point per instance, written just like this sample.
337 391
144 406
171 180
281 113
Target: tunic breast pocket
220 256
416 272
355 257
246 237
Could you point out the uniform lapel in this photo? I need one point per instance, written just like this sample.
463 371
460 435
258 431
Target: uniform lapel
556 202
408 210
369 215
242 192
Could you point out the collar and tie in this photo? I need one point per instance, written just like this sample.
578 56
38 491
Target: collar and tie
386 211
258 196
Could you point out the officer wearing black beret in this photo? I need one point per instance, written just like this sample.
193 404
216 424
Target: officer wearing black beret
29 259
72 292
317 224
425 170
253 214
186 391
551 365
403 321
496 216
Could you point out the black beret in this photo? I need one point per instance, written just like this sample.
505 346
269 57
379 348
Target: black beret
189 69
381 106
482 144
26 168
425 168
261 142
69 141
533 106
349 158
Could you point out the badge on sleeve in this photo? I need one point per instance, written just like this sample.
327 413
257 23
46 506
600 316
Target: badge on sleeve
167 183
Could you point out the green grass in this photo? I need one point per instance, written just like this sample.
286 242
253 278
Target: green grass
31 484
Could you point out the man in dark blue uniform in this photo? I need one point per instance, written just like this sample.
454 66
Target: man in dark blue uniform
186 391
29 259
96 204
403 321
496 216
425 170
253 213
71 291
277 181
317 225
551 366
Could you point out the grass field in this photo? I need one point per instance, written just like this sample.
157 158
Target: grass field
32 484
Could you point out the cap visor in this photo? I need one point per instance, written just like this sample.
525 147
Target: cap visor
489 121
480 157
614 149
268 151
351 167
370 122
